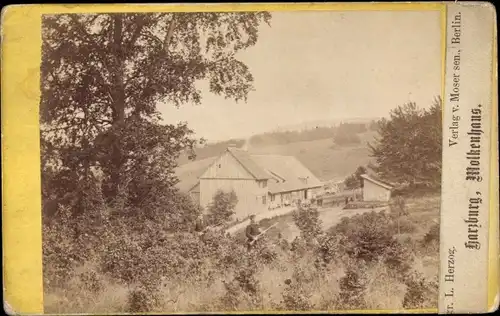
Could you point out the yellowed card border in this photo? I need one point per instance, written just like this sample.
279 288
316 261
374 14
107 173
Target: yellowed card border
21 216
493 245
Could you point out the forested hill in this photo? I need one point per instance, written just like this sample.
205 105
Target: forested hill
341 134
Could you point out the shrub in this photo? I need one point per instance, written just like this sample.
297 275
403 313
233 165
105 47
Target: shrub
352 288
332 248
420 293
296 298
369 238
308 222
142 300
432 235
244 288
403 225
222 207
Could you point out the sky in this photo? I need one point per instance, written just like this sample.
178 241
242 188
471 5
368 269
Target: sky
311 66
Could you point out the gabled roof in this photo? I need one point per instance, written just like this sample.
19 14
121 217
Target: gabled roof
377 181
289 173
290 170
249 164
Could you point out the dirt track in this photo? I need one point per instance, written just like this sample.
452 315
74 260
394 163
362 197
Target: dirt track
329 217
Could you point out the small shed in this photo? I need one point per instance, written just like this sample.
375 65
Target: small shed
375 189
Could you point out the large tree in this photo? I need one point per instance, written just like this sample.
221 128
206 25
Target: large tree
355 181
102 76
409 147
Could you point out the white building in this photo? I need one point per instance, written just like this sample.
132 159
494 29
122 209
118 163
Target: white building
261 182
375 190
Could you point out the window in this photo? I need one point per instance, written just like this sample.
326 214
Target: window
263 184
264 200
273 197
219 166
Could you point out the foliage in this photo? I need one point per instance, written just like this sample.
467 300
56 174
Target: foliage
296 298
102 76
409 147
108 160
308 222
347 133
287 137
222 207
351 128
356 246
353 288
369 238
399 215
432 235
374 125
420 292
355 181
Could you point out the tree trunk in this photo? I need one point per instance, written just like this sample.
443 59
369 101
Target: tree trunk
118 109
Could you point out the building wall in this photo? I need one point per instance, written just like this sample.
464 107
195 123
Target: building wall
293 196
247 190
227 174
374 192
226 167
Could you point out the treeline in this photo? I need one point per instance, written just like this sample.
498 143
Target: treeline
342 134
348 133
339 131
287 137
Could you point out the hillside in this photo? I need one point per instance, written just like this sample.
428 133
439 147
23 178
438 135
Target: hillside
324 159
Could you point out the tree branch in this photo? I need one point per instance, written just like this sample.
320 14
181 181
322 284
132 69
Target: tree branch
168 36
137 32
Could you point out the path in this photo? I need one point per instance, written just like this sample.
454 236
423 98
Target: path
261 216
329 216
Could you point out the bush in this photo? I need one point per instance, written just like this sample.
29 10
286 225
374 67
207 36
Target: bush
142 300
420 293
296 298
352 288
307 220
222 207
369 238
432 235
403 225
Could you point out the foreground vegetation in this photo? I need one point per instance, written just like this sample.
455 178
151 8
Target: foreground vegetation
362 262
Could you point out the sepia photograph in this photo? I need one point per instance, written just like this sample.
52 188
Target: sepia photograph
197 162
